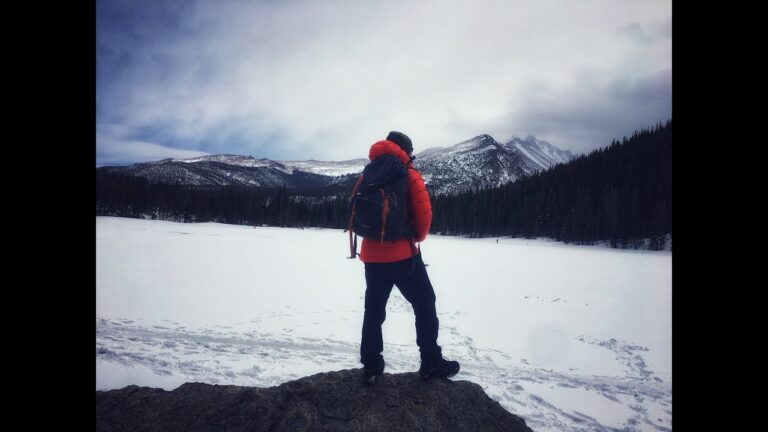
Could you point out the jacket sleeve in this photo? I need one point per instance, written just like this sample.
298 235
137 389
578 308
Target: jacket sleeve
420 206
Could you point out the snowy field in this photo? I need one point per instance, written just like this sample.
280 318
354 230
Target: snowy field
571 338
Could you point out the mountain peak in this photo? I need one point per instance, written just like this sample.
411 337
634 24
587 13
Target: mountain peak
539 154
485 137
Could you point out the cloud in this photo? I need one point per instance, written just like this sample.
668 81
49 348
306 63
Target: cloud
323 80
116 152
593 109
649 32
114 149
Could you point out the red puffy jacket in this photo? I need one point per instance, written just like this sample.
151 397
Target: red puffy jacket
420 211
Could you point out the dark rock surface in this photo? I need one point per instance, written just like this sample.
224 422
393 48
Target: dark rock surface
331 401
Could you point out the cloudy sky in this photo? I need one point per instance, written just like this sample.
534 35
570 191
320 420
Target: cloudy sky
311 79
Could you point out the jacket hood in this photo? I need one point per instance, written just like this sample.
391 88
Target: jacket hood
385 147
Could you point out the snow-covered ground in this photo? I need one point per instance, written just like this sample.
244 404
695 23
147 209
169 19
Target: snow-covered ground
571 338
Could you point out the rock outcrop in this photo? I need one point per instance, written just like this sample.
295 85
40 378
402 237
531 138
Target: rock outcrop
333 401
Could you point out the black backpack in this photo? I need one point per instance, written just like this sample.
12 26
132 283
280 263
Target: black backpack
378 208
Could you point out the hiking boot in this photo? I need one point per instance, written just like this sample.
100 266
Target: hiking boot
440 368
371 371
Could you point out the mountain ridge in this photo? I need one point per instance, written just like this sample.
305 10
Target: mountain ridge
477 163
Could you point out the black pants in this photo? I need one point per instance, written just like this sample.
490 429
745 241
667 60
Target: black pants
413 283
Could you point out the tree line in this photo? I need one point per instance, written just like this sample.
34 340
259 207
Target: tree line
123 195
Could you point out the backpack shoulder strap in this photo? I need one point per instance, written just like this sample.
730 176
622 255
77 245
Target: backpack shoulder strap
353 245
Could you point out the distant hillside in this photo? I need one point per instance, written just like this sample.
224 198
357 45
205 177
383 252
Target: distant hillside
620 195
480 162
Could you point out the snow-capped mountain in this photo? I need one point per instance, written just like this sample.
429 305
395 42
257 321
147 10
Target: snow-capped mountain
476 163
224 170
484 162
326 168
538 154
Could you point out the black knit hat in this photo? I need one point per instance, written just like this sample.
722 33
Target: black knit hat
401 140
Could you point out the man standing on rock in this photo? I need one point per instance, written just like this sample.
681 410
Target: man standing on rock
398 262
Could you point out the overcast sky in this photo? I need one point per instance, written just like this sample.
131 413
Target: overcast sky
311 79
